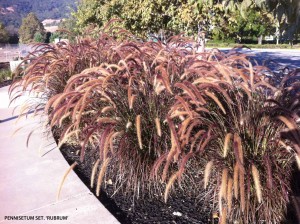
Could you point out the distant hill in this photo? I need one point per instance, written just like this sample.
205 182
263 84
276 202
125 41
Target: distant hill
12 11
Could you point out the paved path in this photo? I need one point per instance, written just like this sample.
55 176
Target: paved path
285 57
30 177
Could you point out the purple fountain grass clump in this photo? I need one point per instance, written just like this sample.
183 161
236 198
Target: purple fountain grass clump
229 99
154 116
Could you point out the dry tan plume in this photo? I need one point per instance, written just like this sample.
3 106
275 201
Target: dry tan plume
236 180
207 172
169 185
223 216
158 128
288 123
64 178
229 194
240 148
132 99
240 152
223 188
138 130
94 172
101 175
242 189
297 157
106 120
128 124
257 184
129 94
292 126
226 144
107 145
217 101
184 126
107 109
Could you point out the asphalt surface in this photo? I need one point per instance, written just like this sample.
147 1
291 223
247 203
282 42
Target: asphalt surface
275 57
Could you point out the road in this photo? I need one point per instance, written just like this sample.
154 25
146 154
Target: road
284 57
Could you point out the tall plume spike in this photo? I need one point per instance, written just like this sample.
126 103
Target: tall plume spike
158 128
226 144
257 184
207 172
139 130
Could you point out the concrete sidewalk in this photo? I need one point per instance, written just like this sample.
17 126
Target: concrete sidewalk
30 177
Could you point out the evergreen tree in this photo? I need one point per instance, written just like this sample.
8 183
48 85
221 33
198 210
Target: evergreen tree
4 37
31 27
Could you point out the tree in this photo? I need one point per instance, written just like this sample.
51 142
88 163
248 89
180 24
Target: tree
227 19
38 37
142 17
239 25
286 13
4 37
31 27
87 13
68 24
67 28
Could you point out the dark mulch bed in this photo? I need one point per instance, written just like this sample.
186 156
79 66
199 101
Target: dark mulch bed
5 83
147 210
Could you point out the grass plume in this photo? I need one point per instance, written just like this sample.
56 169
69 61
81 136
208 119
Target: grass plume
64 178
256 178
139 130
95 167
207 173
101 175
226 144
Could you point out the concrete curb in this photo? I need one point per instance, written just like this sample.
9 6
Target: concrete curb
30 177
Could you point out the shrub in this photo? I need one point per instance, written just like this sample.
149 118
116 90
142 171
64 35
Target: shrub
155 116
5 74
